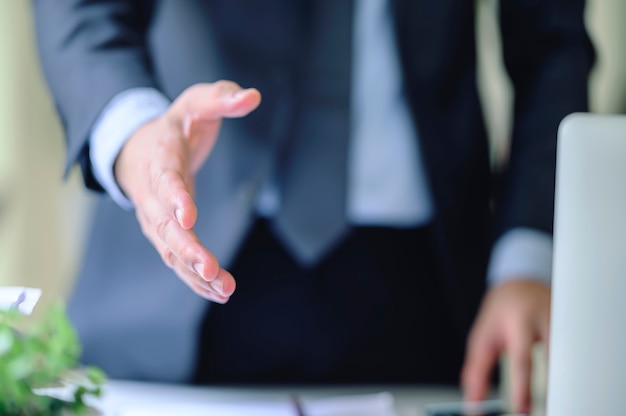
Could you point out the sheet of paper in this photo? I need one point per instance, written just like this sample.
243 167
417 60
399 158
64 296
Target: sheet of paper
251 409
22 298
380 404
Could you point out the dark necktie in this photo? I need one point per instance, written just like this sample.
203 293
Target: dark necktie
312 217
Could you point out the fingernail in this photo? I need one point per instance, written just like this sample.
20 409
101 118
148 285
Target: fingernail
239 93
218 285
179 216
199 268
188 120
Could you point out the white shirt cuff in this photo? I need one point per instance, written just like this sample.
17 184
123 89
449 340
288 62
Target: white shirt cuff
521 253
122 116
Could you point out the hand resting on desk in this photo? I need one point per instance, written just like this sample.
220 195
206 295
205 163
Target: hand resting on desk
513 316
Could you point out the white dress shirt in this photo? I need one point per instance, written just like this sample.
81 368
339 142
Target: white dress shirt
387 184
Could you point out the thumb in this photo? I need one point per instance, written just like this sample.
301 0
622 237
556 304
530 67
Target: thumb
202 103
197 113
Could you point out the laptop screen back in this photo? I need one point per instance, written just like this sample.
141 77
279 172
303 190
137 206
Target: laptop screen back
587 369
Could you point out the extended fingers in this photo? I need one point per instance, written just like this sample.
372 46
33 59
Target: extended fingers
171 181
203 288
175 197
164 230
482 355
181 250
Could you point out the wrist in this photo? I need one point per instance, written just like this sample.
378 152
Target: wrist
131 159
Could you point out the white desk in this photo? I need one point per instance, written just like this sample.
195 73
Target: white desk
408 400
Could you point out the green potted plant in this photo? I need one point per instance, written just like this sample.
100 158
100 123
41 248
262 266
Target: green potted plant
44 356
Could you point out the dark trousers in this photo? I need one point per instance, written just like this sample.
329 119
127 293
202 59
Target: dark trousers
373 311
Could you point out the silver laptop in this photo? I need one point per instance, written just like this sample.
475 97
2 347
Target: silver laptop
587 369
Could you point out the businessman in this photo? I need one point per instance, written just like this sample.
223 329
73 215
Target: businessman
339 178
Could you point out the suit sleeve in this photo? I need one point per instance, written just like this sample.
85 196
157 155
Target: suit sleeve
548 56
90 51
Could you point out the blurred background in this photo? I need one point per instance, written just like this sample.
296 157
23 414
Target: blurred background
43 218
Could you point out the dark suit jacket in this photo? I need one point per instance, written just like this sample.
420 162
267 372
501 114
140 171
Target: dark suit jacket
92 50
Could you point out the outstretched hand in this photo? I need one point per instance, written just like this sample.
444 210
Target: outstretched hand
156 170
